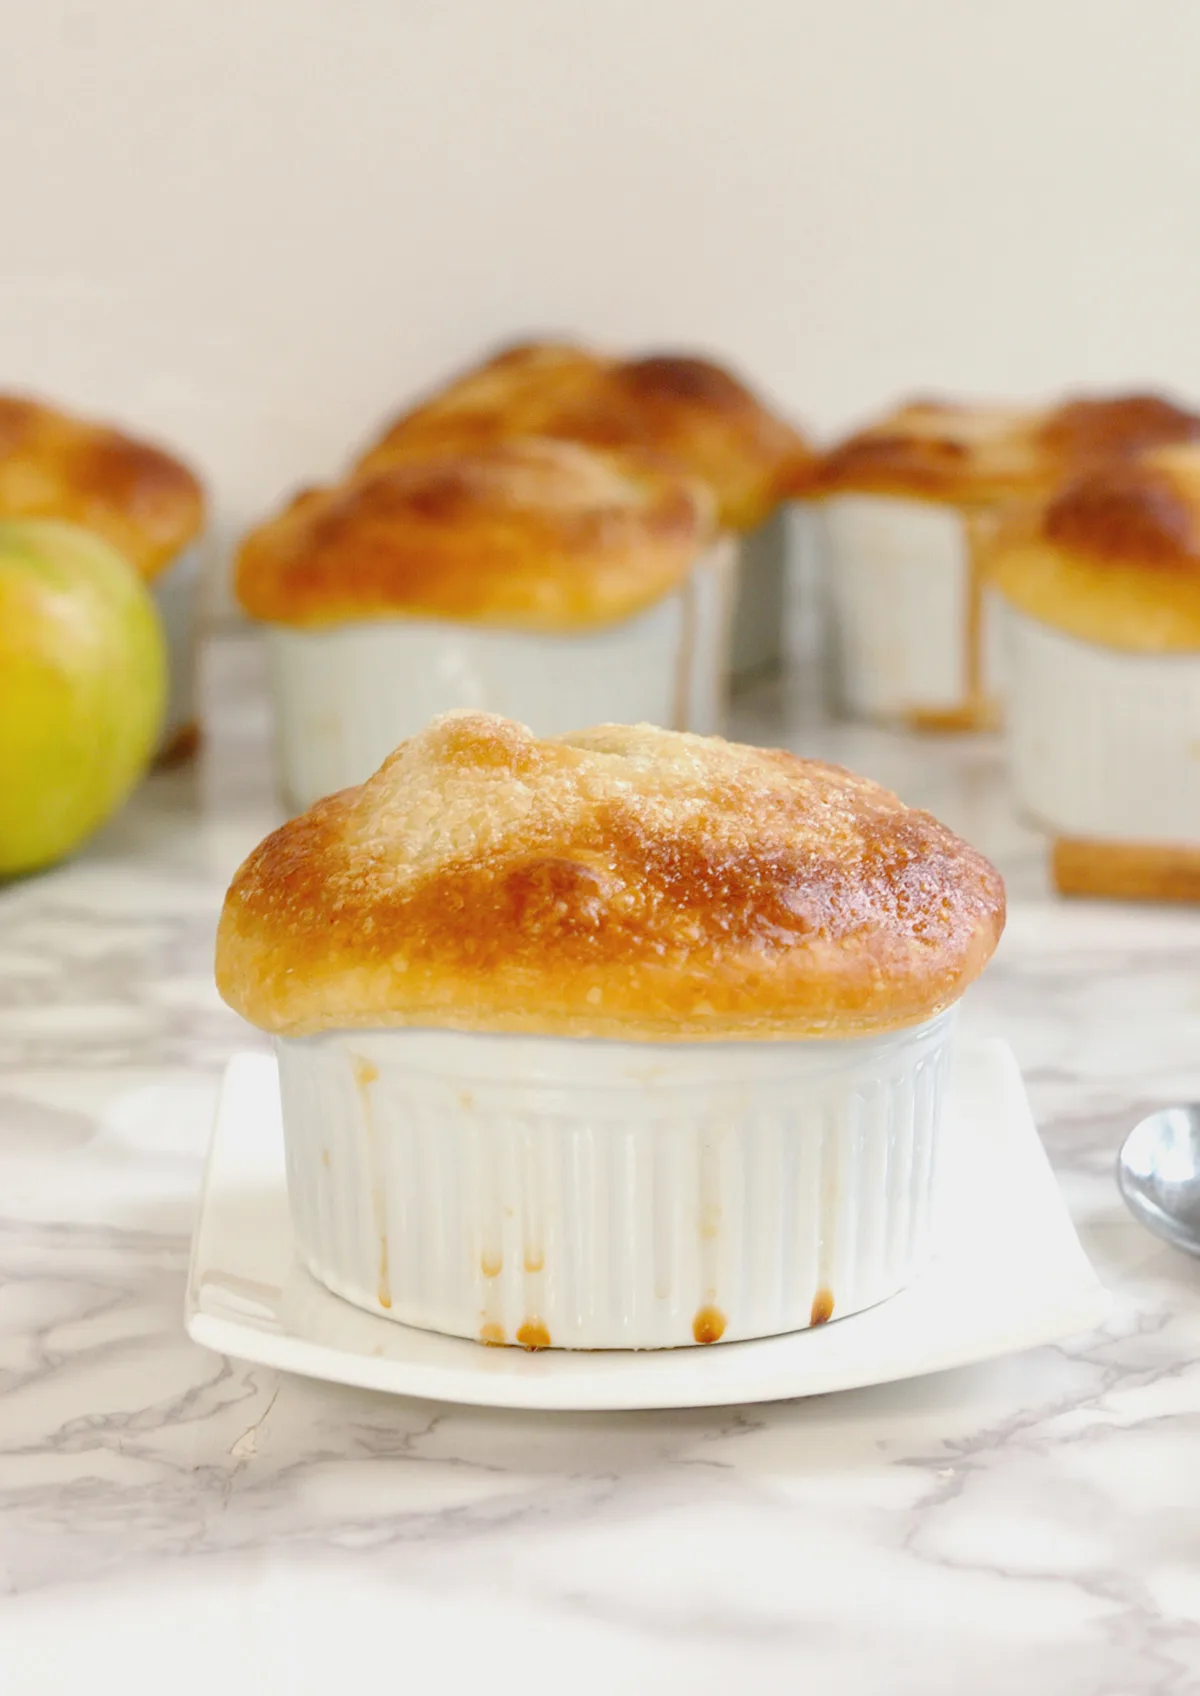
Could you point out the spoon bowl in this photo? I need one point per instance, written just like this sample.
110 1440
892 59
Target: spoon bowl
1158 1174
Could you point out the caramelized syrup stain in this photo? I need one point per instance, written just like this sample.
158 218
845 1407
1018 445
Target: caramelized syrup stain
492 1334
709 1325
491 1263
822 1307
533 1335
686 659
534 1260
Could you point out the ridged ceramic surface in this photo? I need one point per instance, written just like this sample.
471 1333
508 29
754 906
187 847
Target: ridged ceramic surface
346 697
603 1195
176 595
1103 745
898 577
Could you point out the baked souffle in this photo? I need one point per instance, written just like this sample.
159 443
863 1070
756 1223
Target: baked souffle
142 500
1113 557
693 412
529 534
623 882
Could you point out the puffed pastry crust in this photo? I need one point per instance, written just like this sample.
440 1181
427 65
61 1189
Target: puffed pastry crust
142 500
623 882
689 410
1113 557
529 534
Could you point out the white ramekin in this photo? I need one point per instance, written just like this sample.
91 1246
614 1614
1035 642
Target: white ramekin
345 697
1103 745
176 595
900 580
578 1194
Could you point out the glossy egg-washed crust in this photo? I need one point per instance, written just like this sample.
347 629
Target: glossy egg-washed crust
143 501
688 410
528 534
1113 557
622 882
980 455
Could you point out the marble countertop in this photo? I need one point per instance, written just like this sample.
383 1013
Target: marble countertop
175 1518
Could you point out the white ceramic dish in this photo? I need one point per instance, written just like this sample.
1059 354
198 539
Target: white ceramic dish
611 1195
759 612
176 595
345 697
900 583
1008 1274
1103 745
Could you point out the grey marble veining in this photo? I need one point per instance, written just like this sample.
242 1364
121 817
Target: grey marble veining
1032 1524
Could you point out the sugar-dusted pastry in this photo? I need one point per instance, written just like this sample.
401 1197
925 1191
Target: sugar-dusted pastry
526 575
695 413
138 497
1102 582
625 1038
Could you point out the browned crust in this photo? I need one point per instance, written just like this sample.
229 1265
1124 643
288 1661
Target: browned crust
625 882
705 420
529 533
1093 427
968 454
138 497
1114 556
953 454
1130 511
689 410
510 393
1124 871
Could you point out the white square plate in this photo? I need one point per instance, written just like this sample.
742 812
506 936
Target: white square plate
1009 1274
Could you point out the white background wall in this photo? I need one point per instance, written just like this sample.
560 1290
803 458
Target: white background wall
254 226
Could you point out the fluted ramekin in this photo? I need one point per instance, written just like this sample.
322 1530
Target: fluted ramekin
917 634
176 595
1104 746
588 1195
760 600
345 697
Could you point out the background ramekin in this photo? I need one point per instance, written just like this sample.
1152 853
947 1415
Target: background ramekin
176 593
1103 745
345 697
899 581
760 599
588 1194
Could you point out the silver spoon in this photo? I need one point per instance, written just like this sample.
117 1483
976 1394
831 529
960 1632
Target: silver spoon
1158 1173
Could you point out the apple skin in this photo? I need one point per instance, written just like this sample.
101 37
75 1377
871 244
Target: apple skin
83 677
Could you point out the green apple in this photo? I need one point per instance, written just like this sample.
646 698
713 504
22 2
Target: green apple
82 688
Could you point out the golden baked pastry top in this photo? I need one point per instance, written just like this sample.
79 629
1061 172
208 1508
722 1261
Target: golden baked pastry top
1094 427
1113 557
689 410
958 455
512 393
143 501
528 533
622 882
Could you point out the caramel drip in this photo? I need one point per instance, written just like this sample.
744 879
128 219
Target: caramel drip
709 1325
